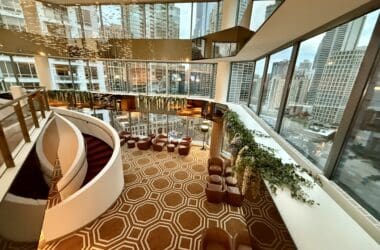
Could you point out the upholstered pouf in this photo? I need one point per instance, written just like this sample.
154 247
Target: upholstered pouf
131 143
215 179
228 171
231 181
170 147
234 196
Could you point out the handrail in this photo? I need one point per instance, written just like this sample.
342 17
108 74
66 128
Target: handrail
23 97
39 95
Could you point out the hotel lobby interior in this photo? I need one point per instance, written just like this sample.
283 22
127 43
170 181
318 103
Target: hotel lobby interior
204 124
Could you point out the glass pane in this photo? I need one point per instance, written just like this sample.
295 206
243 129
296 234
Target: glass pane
358 170
158 124
157 78
179 20
325 72
73 13
178 84
274 85
242 8
201 79
112 25
115 76
139 123
91 21
197 19
53 20
134 20
256 85
261 11
156 21
177 125
61 73
137 77
240 82
212 17
11 15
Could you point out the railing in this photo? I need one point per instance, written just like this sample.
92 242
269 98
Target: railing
17 118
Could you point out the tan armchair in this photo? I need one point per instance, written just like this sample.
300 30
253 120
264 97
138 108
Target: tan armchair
242 240
216 238
215 166
215 193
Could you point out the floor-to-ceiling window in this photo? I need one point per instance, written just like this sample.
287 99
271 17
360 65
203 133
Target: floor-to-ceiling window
240 82
274 85
326 69
358 170
256 84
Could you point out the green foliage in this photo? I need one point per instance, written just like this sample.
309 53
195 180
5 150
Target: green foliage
278 174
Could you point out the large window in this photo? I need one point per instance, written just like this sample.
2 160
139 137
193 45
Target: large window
134 20
112 21
205 18
201 79
178 83
179 20
240 82
325 72
358 170
157 78
137 77
274 85
156 18
256 84
261 11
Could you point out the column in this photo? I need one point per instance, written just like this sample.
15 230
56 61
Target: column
222 81
221 90
43 72
229 12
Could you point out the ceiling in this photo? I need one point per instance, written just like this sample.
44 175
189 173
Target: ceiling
92 2
297 18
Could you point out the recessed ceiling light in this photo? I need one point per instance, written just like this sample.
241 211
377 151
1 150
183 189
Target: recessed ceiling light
41 53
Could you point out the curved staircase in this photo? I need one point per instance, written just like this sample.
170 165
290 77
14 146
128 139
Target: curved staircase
98 154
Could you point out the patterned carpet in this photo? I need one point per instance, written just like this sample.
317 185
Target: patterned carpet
163 206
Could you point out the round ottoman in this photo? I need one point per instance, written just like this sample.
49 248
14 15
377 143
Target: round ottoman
231 181
215 179
170 147
131 143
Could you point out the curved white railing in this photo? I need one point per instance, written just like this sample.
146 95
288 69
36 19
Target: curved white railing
97 195
16 212
63 140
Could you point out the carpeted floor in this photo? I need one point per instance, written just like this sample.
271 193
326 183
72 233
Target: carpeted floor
163 206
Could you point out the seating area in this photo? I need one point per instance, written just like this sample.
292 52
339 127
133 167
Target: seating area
157 143
222 185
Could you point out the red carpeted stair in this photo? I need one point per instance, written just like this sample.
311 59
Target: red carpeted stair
29 182
98 155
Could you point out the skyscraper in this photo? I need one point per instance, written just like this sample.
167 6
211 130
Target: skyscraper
336 65
344 37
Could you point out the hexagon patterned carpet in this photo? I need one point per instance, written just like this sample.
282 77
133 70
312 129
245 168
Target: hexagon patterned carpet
163 206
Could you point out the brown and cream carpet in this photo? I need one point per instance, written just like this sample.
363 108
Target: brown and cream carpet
163 206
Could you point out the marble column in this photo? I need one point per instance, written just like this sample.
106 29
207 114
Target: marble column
221 91
43 72
229 11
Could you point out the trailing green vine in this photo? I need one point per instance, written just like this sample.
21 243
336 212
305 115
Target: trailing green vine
258 157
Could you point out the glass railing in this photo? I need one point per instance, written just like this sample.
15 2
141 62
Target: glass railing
18 118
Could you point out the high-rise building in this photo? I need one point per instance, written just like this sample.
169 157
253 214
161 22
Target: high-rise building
335 86
344 37
271 8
